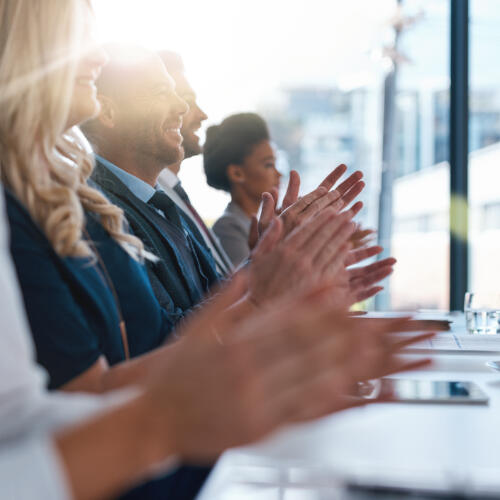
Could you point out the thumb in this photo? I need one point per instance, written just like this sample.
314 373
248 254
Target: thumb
269 239
253 236
267 212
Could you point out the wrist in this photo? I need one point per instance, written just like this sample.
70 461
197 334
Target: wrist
156 434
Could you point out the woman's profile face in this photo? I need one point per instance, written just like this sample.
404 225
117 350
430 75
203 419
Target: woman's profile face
259 170
91 58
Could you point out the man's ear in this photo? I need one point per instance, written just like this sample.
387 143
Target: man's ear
107 114
235 174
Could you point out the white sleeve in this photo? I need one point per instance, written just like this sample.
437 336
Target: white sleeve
30 469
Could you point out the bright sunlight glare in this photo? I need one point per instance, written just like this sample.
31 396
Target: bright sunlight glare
240 54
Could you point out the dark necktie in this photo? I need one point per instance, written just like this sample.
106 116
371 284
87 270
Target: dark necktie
162 202
182 193
185 198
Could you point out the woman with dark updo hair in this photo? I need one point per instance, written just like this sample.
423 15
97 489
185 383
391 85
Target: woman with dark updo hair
238 158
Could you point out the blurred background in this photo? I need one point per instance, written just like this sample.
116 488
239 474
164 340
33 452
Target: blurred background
365 83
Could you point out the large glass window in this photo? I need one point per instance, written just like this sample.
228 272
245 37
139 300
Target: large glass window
420 238
484 145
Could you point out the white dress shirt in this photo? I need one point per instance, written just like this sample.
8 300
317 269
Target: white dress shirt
29 464
167 180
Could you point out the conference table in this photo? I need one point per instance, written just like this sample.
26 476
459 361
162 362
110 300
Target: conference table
385 450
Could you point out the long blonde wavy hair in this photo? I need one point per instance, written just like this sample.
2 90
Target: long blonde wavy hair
45 165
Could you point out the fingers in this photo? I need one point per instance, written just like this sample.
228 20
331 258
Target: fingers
302 203
336 265
355 209
349 182
361 234
400 343
303 234
275 194
267 212
363 237
292 191
253 236
353 193
317 200
371 278
361 254
313 344
331 200
358 272
332 178
333 245
367 293
381 326
308 369
328 240
270 238
400 365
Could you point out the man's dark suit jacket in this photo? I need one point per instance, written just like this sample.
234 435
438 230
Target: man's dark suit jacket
169 276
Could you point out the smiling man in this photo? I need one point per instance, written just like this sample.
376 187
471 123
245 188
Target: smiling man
136 135
169 179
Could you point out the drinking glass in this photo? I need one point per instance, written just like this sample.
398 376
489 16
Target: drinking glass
482 313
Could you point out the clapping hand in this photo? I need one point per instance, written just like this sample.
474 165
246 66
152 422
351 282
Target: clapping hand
230 382
295 211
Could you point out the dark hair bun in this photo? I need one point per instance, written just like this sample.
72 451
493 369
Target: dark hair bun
229 143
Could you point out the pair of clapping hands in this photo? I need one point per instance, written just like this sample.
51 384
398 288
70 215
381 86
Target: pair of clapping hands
238 373
232 379
313 239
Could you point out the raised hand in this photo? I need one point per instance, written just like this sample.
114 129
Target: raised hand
295 210
311 254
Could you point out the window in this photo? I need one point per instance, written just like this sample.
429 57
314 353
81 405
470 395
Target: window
420 239
484 146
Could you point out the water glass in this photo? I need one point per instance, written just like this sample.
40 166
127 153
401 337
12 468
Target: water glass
482 313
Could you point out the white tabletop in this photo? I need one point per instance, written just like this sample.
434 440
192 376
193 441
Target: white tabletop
443 446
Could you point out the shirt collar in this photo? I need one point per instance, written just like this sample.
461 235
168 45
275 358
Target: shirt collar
169 178
139 188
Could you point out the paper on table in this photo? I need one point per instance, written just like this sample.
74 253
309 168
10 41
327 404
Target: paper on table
417 315
427 321
456 342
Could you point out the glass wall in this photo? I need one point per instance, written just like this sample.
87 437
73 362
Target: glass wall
484 145
421 190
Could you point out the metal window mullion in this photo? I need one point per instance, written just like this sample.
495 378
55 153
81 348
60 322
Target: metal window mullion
459 151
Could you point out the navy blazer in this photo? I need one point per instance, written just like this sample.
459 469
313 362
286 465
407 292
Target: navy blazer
71 311
168 276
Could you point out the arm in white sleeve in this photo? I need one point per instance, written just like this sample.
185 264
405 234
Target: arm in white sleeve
30 469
